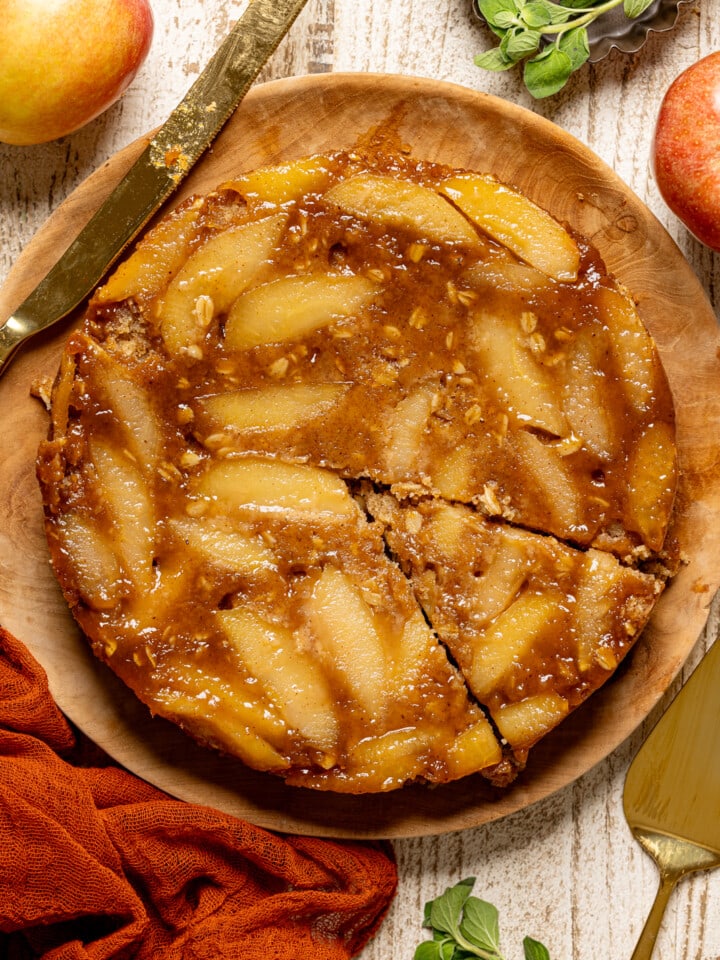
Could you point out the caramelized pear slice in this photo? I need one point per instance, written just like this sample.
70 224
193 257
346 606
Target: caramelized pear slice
96 570
524 722
452 475
291 677
518 278
405 430
652 478
344 628
294 306
400 203
516 222
543 465
270 485
599 575
511 373
394 757
212 278
227 714
284 182
155 260
132 406
585 393
632 347
476 748
271 407
508 639
216 542
121 487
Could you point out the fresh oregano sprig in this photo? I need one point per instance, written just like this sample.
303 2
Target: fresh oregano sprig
549 38
465 927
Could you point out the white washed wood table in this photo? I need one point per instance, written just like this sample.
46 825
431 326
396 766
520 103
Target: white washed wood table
565 870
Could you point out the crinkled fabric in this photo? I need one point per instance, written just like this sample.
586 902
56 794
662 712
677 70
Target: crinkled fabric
97 864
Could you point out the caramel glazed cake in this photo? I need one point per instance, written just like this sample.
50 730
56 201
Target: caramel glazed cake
361 470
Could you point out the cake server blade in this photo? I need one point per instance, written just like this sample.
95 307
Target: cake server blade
157 172
672 789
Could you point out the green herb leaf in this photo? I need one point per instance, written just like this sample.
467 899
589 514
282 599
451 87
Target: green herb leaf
575 44
547 73
536 14
519 44
446 910
506 20
534 950
633 8
499 13
561 12
494 59
438 949
480 924
435 950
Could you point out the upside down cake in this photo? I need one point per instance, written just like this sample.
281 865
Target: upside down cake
361 470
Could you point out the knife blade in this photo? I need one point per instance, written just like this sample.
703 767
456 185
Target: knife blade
156 174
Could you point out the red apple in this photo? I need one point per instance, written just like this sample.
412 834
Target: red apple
686 149
63 62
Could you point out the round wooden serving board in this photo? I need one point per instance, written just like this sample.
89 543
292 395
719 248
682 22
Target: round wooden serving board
292 118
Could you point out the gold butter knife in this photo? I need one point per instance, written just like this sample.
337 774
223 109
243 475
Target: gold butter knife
155 175
672 790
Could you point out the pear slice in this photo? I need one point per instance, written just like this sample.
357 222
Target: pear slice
155 260
291 676
294 306
212 278
523 723
120 485
515 221
283 182
271 407
270 485
400 203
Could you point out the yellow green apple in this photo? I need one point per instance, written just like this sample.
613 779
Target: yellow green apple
63 62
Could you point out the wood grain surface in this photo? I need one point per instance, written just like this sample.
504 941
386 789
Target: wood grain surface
565 869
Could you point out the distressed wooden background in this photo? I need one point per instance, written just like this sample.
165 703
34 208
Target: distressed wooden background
565 871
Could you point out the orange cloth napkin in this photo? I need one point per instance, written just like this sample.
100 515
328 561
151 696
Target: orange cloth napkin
95 863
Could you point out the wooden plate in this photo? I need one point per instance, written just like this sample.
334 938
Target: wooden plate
292 118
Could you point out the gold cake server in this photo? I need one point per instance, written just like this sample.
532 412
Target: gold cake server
156 173
672 790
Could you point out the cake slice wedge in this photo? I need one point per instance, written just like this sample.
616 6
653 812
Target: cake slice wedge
534 625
